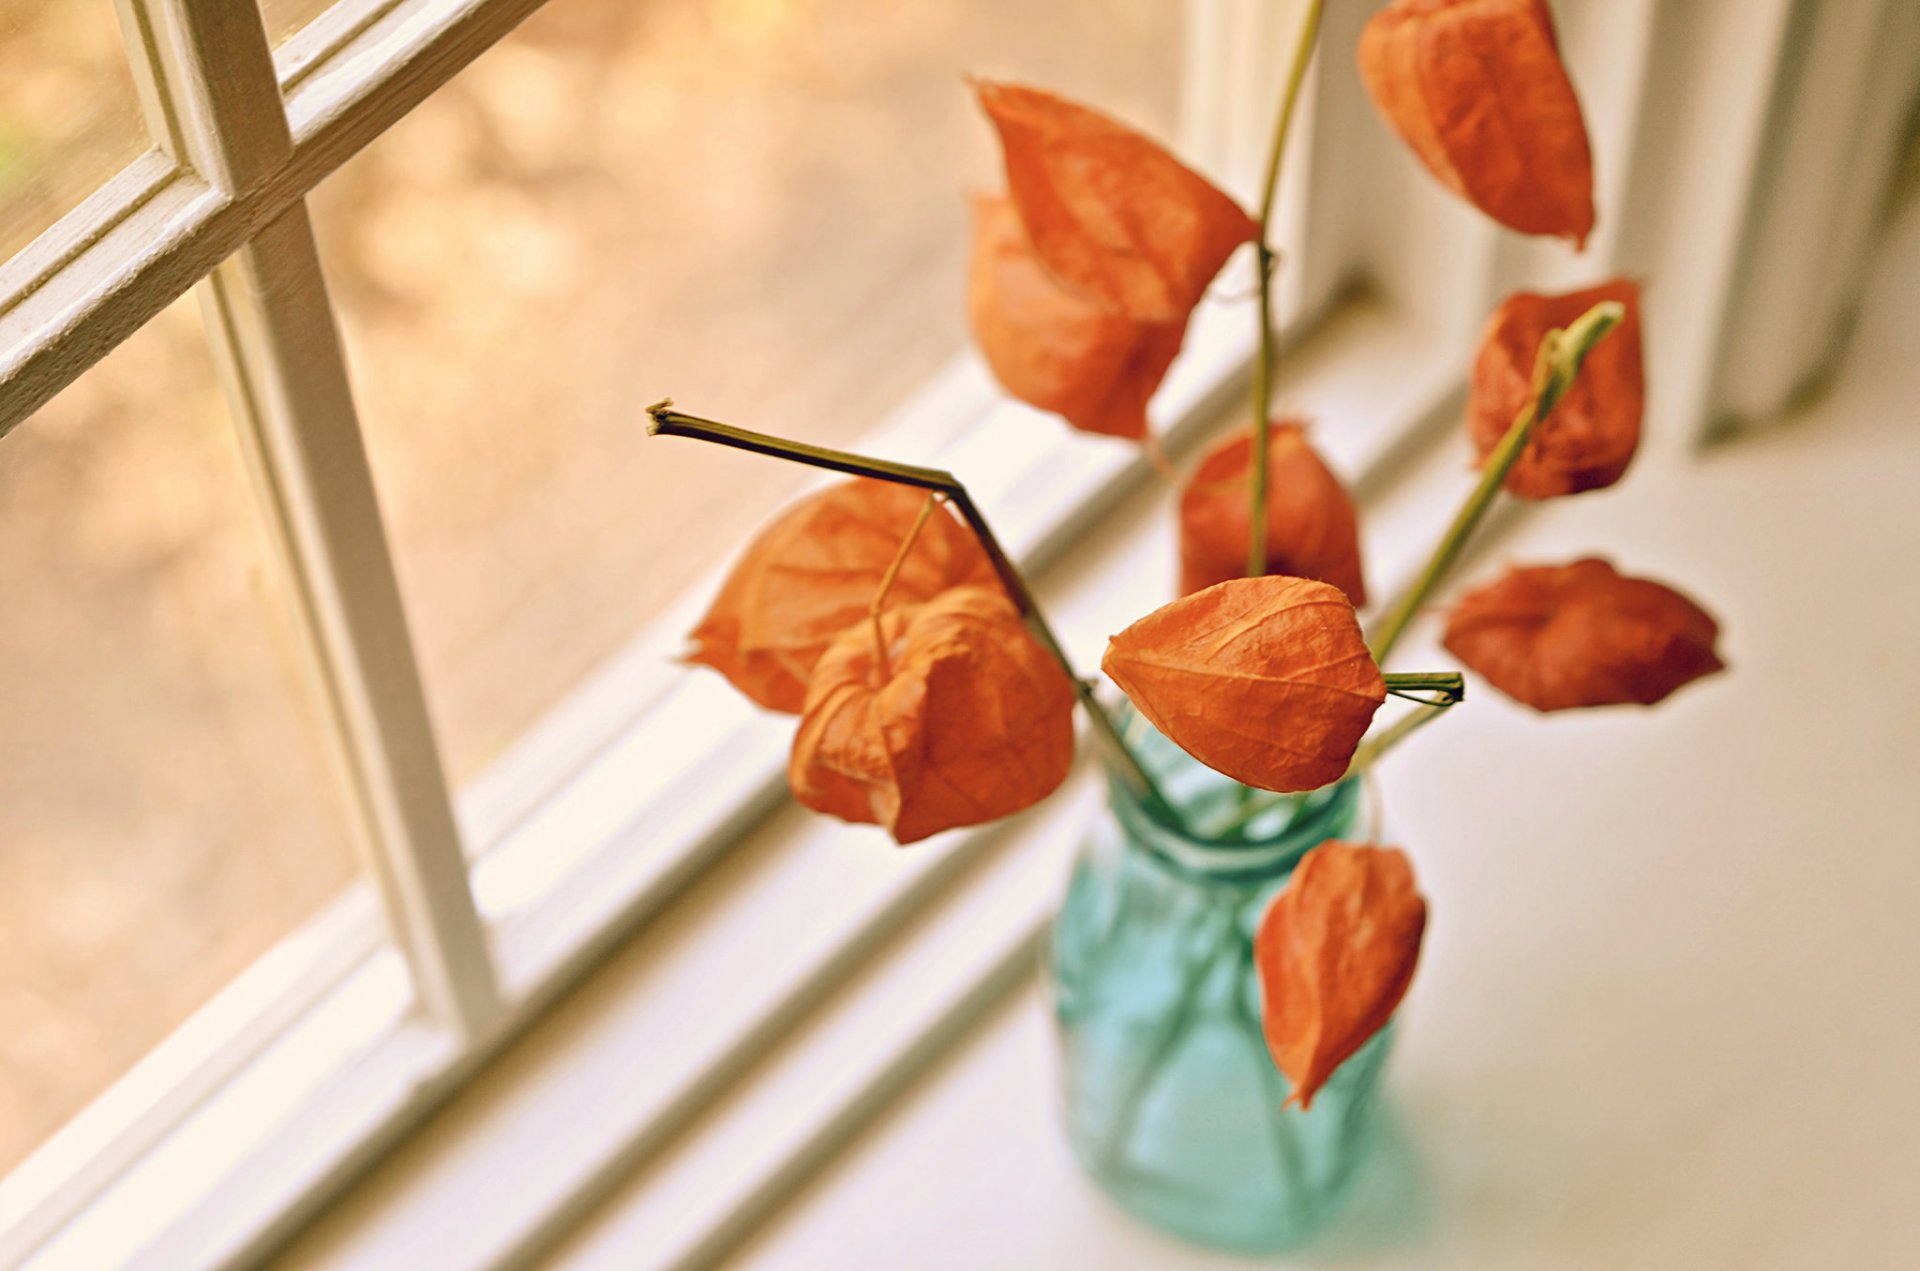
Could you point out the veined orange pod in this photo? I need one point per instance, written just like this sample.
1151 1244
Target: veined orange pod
1589 439
1560 637
814 571
1267 680
1109 212
1478 90
959 718
1335 951
1054 348
1312 530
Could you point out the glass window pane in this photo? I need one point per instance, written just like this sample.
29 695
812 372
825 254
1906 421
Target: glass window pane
167 808
758 206
68 115
286 17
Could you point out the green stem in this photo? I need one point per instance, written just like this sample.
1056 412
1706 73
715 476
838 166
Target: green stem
1447 687
1562 352
1264 262
1198 972
1371 749
1450 685
664 421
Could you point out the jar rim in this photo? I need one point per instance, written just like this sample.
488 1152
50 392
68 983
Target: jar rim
1236 857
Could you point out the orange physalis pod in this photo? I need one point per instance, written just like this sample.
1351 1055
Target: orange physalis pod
1589 438
1336 950
1054 348
1478 90
814 571
959 718
1109 212
1558 637
1267 680
1312 531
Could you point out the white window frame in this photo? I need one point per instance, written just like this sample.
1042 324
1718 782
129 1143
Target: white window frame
238 1127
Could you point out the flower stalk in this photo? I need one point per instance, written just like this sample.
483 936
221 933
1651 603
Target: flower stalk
1265 262
1562 353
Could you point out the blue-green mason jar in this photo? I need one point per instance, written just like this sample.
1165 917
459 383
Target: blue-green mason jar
1173 1105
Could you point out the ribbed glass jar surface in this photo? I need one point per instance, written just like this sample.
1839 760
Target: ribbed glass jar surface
1173 1105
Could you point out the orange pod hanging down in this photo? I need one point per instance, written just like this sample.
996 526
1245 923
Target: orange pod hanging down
815 571
1109 212
1336 951
1312 531
1589 439
1267 680
1054 348
962 719
1560 637
1478 90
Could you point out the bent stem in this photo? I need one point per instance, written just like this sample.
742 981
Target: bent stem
1562 353
664 421
1264 262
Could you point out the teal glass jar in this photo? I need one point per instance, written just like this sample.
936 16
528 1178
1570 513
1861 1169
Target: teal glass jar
1173 1105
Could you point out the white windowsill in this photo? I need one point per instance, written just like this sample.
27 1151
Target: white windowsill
759 1018
1663 1017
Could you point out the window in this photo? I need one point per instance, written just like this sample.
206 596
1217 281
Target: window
457 803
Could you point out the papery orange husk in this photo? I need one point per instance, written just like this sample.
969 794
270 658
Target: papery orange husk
1336 950
814 571
1267 680
1054 348
1312 531
1478 90
1109 212
1589 438
1559 637
966 719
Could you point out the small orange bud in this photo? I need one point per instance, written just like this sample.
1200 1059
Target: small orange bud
1267 680
1590 437
814 571
1559 637
1478 90
1336 951
1312 531
1110 213
1054 348
962 719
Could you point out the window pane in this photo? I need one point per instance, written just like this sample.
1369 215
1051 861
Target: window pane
757 206
68 115
167 809
286 17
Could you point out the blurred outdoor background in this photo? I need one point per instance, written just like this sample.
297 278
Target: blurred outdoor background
513 285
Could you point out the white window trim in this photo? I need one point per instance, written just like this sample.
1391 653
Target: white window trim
318 1041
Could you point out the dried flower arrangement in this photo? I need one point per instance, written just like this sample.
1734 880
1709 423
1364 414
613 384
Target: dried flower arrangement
931 692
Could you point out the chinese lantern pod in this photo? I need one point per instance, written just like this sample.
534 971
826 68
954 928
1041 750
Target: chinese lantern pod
1054 348
814 571
1589 438
1267 680
1560 637
1478 91
1110 213
962 719
1335 951
1312 529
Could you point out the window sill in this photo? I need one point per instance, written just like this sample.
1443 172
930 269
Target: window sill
798 979
1651 1027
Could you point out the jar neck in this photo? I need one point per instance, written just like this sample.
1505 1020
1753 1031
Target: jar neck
1268 848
